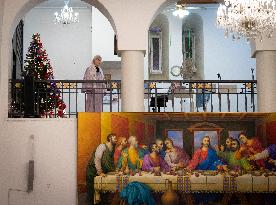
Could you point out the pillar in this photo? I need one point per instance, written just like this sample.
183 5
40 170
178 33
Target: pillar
132 80
266 80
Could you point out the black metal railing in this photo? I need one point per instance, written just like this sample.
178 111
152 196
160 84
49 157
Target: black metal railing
201 95
105 95
71 92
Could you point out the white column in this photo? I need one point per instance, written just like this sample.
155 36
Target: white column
266 80
132 81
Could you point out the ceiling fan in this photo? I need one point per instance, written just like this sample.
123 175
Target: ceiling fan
181 8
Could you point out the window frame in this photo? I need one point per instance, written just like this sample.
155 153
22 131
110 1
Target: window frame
153 35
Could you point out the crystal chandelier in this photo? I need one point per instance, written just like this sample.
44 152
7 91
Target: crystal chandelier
247 18
67 16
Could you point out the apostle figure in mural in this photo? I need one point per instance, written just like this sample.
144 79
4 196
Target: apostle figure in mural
269 153
153 162
132 157
233 158
160 146
205 158
228 144
122 144
94 91
251 147
175 157
101 162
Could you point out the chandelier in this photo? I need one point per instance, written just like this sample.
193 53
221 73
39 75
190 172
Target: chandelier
247 18
181 10
66 16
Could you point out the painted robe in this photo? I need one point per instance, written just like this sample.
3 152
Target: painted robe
101 161
162 153
149 163
131 157
205 160
117 155
94 91
234 160
268 153
175 156
252 149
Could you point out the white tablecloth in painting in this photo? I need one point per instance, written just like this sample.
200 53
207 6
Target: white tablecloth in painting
220 183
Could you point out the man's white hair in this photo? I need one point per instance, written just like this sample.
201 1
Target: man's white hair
131 138
96 57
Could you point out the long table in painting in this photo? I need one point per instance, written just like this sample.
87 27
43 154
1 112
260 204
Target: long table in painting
195 183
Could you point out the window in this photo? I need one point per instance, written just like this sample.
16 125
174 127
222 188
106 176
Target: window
155 51
188 44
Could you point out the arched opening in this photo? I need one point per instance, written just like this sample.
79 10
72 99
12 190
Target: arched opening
198 50
70 47
193 43
158 51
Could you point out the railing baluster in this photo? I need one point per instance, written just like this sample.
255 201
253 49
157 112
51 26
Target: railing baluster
110 97
219 97
172 96
237 102
155 100
252 97
196 95
228 101
211 97
245 97
203 96
85 98
69 110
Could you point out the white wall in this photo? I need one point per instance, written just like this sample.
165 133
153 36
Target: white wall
102 37
71 47
231 59
55 156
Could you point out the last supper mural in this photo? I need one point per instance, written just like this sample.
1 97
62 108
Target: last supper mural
176 158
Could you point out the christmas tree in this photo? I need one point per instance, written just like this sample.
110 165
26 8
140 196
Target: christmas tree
38 66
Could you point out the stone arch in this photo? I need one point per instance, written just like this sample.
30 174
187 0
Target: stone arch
194 22
161 21
163 4
16 10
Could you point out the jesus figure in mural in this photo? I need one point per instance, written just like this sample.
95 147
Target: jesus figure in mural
205 158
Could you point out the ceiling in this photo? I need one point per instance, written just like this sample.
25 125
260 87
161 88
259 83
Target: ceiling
203 1
60 4
79 3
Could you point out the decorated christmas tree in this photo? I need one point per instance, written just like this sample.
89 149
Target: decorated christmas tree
38 66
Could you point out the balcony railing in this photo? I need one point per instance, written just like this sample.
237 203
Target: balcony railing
159 96
201 95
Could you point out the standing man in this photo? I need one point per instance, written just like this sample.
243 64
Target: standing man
101 162
94 91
